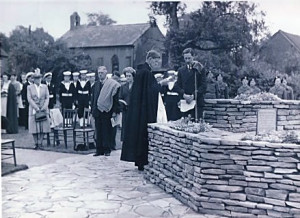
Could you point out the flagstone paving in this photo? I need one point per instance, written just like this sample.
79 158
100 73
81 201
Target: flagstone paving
86 186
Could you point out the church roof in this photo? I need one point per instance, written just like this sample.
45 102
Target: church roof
104 36
292 38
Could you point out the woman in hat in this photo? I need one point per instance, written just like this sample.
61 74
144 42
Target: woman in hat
124 96
38 99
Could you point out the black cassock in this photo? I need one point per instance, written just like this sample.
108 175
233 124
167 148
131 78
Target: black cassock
141 111
67 96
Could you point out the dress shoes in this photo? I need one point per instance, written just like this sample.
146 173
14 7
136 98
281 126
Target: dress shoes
98 154
107 154
36 147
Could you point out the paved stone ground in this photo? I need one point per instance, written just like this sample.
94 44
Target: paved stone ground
86 186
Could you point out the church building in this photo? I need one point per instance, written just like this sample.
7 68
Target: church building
115 46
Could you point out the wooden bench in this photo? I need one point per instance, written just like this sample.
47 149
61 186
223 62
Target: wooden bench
8 144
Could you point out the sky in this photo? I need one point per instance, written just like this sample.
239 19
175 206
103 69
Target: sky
54 15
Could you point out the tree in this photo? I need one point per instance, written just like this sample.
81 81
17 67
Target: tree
170 10
29 49
98 19
4 43
32 49
225 36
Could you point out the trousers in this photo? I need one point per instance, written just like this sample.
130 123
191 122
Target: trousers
104 132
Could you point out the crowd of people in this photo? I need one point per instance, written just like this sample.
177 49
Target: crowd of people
143 96
218 89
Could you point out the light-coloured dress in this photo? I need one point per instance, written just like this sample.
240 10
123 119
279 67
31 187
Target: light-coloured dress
4 93
38 100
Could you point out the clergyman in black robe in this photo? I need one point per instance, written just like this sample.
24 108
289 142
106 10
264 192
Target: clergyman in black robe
141 111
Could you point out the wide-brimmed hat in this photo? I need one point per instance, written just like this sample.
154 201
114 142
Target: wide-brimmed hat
37 73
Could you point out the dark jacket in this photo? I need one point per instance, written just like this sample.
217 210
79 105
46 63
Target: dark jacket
141 111
11 110
24 94
186 83
52 94
67 97
83 93
222 90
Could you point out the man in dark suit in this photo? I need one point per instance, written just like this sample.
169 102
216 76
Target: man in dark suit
191 82
105 98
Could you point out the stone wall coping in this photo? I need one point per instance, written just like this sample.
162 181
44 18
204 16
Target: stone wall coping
233 101
207 139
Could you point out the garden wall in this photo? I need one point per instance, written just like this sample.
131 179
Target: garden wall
224 177
241 116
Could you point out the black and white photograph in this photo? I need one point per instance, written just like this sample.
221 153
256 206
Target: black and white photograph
138 109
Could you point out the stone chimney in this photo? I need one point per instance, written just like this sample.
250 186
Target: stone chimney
74 20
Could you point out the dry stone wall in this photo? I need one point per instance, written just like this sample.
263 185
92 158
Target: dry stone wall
241 116
224 177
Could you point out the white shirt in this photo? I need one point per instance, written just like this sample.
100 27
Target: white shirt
82 83
67 85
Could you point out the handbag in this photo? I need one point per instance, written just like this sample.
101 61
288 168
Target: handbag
40 116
